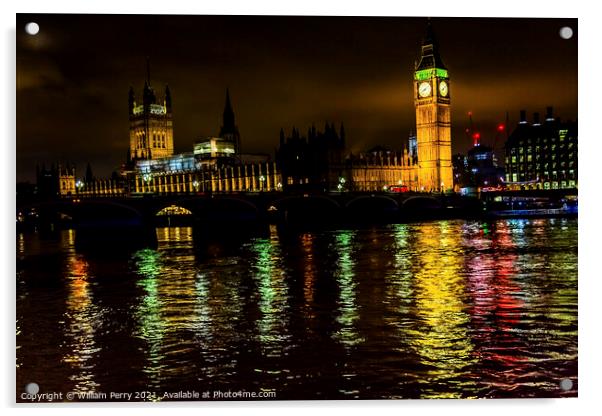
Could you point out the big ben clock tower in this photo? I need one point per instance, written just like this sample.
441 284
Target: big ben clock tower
433 119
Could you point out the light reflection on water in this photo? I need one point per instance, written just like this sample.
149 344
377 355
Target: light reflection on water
428 310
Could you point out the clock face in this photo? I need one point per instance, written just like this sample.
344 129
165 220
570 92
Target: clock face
443 89
424 89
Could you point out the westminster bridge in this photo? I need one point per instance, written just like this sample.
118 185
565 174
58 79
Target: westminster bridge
121 218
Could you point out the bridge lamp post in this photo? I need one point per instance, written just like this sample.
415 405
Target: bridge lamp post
79 185
262 182
146 179
196 184
341 185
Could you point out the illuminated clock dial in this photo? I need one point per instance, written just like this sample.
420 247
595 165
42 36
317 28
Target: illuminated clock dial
424 89
443 89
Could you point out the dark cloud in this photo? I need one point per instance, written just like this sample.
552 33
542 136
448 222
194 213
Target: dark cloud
73 78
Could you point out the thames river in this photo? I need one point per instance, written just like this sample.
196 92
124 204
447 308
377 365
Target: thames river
442 309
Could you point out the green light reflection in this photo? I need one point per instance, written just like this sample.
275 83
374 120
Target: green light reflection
347 303
273 294
152 326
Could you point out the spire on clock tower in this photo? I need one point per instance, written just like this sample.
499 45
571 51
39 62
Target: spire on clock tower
429 56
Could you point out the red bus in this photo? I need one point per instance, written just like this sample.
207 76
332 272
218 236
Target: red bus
398 188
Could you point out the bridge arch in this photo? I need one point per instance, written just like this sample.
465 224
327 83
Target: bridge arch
383 200
173 209
105 208
421 202
307 198
305 209
371 208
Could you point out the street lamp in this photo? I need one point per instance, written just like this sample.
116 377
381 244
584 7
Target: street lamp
196 184
261 180
146 179
341 184
79 185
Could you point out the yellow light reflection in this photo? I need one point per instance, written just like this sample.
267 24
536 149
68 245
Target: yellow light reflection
440 338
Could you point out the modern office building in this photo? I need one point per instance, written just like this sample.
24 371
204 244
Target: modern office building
542 154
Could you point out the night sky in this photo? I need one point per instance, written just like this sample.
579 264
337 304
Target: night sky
73 78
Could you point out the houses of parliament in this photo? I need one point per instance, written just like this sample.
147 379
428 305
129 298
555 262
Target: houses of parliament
312 160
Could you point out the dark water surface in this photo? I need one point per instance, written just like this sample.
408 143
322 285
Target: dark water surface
439 309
